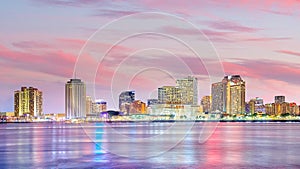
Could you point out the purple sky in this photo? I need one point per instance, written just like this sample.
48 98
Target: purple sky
41 40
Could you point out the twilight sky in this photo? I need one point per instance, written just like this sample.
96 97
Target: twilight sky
41 41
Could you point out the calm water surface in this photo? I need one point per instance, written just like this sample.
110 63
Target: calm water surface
232 145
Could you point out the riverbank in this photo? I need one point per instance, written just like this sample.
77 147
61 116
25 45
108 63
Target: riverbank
159 121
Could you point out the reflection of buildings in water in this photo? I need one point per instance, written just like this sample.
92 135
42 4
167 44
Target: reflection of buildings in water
59 141
232 149
212 149
98 140
38 144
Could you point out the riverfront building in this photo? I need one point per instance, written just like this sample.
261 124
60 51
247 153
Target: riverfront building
75 99
28 101
125 99
189 90
228 96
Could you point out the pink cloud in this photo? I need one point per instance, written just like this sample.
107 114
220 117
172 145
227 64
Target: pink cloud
216 36
57 63
263 39
30 45
114 13
186 8
178 30
69 2
264 69
267 78
267 4
230 26
289 52
71 42
289 13
230 35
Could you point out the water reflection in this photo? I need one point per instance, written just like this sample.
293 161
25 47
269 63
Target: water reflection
233 145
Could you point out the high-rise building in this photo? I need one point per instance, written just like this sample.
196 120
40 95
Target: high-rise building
257 105
250 107
152 102
228 96
75 99
270 108
99 106
206 103
235 90
189 90
294 110
89 105
138 107
169 95
218 94
282 108
28 101
125 99
279 99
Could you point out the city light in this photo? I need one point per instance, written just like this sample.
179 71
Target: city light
180 102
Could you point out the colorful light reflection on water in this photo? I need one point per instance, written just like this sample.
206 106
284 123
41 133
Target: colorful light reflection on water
58 145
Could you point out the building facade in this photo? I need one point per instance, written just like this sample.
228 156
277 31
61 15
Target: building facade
294 109
218 94
256 105
152 102
75 99
125 99
89 105
189 90
206 103
279 99
99 106
228 96
270 109
138 107
28 101
169 95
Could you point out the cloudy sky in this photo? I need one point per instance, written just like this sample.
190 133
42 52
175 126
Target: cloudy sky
116 46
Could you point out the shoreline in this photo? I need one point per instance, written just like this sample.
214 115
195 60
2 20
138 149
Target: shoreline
162 121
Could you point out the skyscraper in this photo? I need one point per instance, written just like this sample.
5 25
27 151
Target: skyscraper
152 102
99 106
218 94
270 108
250 107
279 99
138 107
189 90
125 99
229 95
75 99
294 109
235 94
89 106
206 103
28 101
256 105
169 95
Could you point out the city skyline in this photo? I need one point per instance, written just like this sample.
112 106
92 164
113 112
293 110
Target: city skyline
150 84
40 47
227 97
218 103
